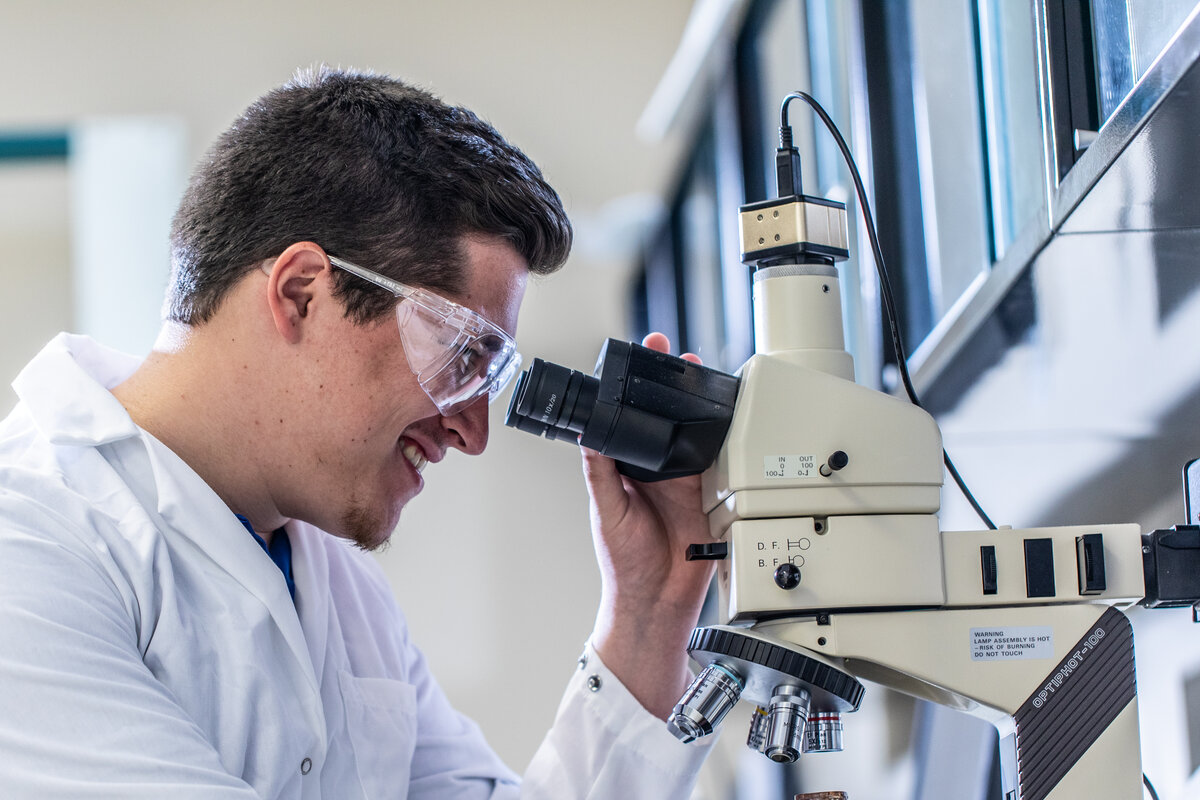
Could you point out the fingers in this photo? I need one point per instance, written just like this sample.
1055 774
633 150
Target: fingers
657 341
600 473
660 342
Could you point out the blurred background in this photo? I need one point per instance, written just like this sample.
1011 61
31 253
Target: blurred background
1031 163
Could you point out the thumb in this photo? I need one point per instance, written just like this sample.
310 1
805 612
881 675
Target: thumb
605 485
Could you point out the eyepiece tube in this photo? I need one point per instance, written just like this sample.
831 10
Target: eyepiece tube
552 401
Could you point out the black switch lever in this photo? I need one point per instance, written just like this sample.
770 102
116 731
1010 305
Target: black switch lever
709 551
1089 556
987 563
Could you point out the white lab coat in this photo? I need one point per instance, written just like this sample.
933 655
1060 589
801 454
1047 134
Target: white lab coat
149 648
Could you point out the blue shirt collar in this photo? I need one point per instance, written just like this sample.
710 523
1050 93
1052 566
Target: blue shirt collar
279 551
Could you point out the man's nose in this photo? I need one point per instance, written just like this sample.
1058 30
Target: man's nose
469 427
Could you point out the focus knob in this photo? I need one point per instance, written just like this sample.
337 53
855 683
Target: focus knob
787 576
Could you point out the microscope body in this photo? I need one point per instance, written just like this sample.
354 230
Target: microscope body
824 501
772 493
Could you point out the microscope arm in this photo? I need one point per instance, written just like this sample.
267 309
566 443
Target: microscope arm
1017 627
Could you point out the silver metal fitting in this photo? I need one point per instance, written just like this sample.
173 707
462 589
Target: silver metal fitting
706 702
824 732
787 716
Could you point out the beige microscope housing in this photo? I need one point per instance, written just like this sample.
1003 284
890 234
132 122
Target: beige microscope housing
825 498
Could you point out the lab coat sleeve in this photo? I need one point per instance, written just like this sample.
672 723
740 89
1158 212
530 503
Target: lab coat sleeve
605 745
602 746
452 760
81 716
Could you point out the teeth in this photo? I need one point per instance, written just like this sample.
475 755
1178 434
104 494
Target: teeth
415 456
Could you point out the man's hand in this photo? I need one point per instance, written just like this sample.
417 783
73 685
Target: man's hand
651 595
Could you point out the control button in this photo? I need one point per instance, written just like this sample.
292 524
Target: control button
1039 568
709 551
837 461
987 562
787 576
1089 558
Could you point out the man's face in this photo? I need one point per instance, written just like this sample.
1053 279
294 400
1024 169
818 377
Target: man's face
371 428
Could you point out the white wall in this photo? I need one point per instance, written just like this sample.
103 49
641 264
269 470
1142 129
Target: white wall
563 80
34 264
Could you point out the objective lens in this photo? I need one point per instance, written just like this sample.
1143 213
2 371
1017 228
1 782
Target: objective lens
785 727
824 732
705 703
552 400
757 738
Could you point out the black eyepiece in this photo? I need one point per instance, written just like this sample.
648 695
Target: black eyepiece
552 401
656 414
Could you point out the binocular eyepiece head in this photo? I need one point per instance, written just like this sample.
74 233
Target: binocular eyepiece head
658 415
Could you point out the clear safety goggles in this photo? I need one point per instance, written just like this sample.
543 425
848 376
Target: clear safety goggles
457 355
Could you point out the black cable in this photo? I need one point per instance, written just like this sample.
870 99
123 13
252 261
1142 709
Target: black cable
1149 787
885 285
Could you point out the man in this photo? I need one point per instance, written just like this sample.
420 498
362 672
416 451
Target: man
348 263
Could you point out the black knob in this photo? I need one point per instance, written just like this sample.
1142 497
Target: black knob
787 576
837 461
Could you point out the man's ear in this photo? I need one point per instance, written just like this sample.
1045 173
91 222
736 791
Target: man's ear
292 286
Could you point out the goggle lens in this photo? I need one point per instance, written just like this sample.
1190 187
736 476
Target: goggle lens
452 365
457 354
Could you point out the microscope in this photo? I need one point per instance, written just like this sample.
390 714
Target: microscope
822 498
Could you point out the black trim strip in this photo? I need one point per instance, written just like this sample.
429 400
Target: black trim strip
1076 703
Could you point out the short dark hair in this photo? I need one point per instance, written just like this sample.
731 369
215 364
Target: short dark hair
371 169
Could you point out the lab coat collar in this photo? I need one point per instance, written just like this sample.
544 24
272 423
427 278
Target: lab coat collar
310 567
65 389
184 500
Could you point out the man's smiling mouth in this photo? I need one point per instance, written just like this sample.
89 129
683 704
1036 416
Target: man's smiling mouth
415 456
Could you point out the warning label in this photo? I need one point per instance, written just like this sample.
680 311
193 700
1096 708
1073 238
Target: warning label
1006 644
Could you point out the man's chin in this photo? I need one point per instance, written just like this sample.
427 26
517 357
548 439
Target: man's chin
369 531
